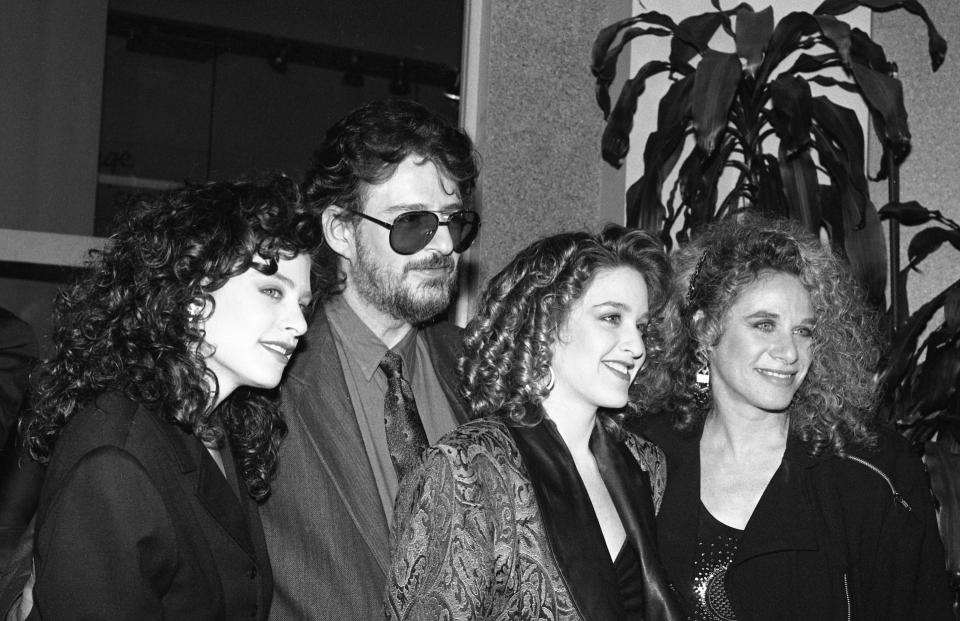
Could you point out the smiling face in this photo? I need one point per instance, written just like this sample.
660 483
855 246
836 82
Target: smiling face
763 354
255 324
600 348
415 287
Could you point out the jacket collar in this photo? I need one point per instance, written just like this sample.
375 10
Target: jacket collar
782 519
568 516
334 436
202 477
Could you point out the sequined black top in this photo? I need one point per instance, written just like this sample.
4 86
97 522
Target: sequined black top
716 546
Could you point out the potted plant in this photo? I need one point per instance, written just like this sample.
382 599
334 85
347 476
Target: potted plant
752 112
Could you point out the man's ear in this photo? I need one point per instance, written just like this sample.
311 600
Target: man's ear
339 233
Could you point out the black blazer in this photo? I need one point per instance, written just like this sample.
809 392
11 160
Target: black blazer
136 521
828 540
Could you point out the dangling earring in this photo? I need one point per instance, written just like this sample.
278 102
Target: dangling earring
552 382
701 389
195 309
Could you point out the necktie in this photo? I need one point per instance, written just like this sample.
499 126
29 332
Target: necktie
406 438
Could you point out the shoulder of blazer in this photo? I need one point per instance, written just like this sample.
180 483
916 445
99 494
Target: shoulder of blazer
114 420
652 461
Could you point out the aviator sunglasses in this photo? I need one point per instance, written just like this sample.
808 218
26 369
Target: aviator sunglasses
412 231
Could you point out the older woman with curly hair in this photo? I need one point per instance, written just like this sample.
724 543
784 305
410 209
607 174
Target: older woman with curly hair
156 417
785 500
543 506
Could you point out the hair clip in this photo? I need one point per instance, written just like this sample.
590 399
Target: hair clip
692 286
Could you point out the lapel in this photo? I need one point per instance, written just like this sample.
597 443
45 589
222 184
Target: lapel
629 488
784 516
203 478
678 538
444 340
570 525
333 436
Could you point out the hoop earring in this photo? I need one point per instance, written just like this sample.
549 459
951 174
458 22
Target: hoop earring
553 380
701 387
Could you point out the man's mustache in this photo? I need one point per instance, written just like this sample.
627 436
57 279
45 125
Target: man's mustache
434 262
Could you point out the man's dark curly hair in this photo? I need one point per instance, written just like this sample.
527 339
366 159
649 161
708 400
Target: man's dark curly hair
129 323
834 406
365 147
507 348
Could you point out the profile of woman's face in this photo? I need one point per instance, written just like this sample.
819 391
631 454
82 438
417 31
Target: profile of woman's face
600 348
763 354
256 322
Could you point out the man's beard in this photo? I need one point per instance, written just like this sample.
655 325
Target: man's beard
389 293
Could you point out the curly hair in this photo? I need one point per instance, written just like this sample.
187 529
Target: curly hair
508 345
365 147
834 406
129 322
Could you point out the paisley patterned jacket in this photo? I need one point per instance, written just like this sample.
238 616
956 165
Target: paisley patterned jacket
472 541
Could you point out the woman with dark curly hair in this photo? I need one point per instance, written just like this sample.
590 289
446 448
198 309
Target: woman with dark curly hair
156 417
543 506
785 500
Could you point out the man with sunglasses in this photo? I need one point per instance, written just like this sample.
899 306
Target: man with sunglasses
391 181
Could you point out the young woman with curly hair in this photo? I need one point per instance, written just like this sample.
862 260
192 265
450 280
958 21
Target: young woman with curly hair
785 500
156 417
543 506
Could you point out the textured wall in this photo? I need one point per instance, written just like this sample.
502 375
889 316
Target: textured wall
541 127
930 175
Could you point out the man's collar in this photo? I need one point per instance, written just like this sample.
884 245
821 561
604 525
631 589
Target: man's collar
359 341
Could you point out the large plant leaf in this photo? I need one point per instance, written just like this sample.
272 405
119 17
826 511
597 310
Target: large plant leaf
801 188
770 198
645 207
790 112
866 248
936 44
837 34
752 35
905 338
810 63
938 376
951 311
694 38
928 241
943 465
784 41
838 137
615 142
910 213
605 69
714 86
884 97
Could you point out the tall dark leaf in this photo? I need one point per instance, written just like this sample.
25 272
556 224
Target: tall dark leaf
936 44
606 70
938 378
837 33
866 248
928 241
714 86
790 112
753 34
784 41
615 142
802 190
884 97
697 31
645 207
905 342
910 213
